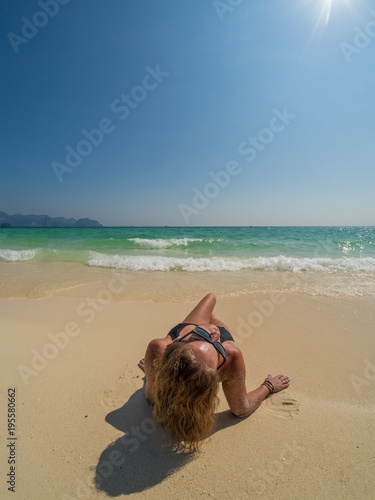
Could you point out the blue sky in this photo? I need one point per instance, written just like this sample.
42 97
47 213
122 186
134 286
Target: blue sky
197 80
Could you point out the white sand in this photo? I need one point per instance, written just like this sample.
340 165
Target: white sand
314 440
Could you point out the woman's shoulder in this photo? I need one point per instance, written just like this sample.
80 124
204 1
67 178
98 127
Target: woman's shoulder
157 346
234 360
233 351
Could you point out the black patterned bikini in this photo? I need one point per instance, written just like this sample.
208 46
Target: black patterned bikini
224 334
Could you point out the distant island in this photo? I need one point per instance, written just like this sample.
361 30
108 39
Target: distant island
19 220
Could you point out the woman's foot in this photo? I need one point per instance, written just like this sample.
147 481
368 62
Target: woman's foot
141 364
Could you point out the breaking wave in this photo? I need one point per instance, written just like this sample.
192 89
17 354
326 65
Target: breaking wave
163 243
16 255
280 263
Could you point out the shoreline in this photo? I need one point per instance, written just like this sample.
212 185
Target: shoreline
313 440
36 280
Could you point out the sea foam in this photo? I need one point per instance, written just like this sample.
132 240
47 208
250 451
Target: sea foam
163 243
16 255
280 263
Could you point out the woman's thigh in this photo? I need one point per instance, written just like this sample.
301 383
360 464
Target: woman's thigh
201 314
217 322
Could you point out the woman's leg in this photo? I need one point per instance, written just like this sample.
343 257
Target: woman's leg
202 313
215 321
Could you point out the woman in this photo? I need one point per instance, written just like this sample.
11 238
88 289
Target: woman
183 372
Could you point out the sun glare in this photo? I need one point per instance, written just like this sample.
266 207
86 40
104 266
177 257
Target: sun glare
327 11
323 10
327 8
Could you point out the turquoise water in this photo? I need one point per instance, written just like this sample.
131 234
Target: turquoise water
346 249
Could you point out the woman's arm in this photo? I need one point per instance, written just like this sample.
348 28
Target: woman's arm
154 349
241 402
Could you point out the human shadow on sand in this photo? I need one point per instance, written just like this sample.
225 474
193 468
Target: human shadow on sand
145 455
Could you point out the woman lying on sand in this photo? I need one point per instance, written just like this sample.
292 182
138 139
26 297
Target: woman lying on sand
183 372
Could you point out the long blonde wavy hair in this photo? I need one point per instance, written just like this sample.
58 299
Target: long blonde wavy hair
185 393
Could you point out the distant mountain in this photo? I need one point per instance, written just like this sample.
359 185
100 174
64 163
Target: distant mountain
19 220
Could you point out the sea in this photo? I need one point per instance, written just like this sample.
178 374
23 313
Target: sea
331 261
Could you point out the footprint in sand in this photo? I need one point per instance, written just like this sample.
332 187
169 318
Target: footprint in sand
127 383
281 406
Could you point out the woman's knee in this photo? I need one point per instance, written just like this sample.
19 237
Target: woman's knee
211 296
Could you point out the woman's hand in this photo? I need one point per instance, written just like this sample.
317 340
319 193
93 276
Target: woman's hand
279 382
